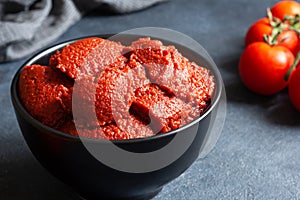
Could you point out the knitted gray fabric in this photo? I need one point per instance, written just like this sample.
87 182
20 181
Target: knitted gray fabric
28 25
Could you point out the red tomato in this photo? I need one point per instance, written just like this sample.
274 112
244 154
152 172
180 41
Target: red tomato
283 8
257 31
289 39
294 88
262 67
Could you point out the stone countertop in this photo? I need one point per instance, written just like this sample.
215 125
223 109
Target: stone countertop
256 157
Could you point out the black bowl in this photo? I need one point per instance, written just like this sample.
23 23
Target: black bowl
68 159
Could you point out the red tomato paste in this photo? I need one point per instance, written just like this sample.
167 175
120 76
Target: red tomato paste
120 92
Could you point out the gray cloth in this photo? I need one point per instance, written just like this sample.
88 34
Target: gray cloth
28 25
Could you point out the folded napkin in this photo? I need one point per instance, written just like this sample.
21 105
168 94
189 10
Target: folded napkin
28 25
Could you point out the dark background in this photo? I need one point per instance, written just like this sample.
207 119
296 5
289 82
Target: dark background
258 153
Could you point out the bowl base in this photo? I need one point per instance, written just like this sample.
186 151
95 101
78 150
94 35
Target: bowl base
147 196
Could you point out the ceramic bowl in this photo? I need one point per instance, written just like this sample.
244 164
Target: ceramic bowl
68 159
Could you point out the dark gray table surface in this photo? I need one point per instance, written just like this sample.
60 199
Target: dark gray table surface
258 153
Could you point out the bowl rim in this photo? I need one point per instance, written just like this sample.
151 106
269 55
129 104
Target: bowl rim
22 111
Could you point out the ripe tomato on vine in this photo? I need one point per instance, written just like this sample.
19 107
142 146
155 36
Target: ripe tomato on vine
285 8
271 60
262 67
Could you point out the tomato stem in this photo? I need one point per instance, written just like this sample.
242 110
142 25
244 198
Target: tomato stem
274 21
294 65
278 26
272 39
270 15
294 23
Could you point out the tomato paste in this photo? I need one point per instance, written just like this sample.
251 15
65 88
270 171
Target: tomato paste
112 91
